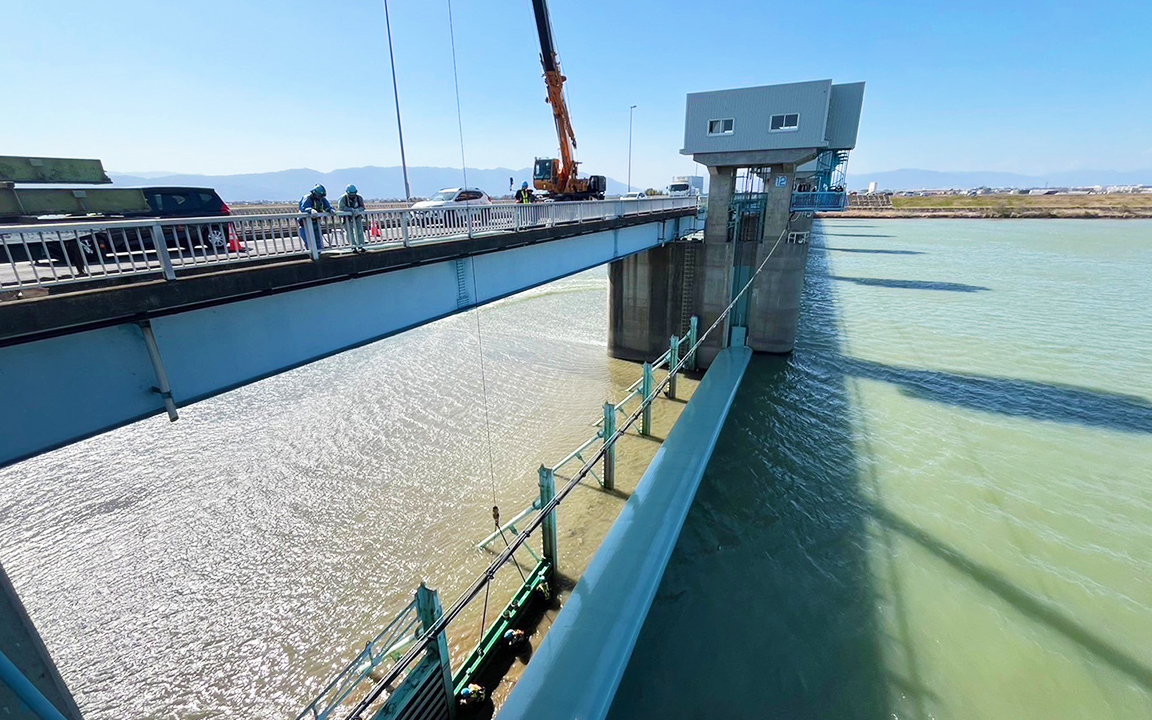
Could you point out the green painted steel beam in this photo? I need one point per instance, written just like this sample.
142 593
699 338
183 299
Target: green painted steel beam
15 202
535 589
51 170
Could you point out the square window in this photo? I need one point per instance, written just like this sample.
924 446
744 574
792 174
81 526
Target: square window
723 126
784 122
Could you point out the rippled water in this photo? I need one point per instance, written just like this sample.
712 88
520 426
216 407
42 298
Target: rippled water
228 564
940 506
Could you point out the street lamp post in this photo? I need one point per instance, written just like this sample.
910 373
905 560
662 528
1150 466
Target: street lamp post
396 95
630 109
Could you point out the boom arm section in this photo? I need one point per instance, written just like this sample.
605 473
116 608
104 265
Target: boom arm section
554 81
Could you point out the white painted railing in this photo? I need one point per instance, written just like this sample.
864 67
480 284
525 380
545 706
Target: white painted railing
66 252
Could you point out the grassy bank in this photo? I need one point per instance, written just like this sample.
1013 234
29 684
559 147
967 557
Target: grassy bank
1013 206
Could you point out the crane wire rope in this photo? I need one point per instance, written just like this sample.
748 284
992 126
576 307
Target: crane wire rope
456 82
479 333
485 579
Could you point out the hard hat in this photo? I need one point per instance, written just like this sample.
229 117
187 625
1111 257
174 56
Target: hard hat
350 189
523 186
319 190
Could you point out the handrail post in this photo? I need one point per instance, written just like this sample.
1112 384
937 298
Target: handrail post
429 611
610 450
673 361
469 210
161 247
693 328
310 237
645 395
548 527
404 214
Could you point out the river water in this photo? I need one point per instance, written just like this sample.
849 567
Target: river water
228 564
940 506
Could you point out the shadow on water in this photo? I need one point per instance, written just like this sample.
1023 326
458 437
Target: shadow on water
1018 398
911 284
767 608
873 251
1020 599
871 235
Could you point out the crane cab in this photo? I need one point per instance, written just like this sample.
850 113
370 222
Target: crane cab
545 172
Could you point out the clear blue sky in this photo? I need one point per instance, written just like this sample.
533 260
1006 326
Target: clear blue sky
227 87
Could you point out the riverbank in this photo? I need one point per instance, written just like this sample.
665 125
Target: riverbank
1110 206
994 212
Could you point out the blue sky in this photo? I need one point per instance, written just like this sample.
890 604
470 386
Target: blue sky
227 87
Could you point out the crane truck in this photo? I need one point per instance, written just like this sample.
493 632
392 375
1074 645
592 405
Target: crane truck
557 176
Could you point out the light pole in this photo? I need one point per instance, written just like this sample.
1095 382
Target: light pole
630 109
396 95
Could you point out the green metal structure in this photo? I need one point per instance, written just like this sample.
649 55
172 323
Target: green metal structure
30 203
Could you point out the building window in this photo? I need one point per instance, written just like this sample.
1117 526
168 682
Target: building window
723 126
785 122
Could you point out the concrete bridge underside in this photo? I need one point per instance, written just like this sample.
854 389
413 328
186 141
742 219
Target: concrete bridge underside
79 364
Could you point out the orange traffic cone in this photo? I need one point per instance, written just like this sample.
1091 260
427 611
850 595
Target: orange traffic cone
375 231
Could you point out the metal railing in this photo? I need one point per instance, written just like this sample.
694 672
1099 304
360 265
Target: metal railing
825 201
642 389
67 252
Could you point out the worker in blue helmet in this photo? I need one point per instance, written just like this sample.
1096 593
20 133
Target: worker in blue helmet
351 202
524 194
315 203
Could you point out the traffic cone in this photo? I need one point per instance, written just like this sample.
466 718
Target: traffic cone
234 242
375 231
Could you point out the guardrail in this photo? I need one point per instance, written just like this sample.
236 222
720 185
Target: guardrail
819 201
66 252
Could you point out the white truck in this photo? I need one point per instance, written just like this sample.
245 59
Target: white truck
686 185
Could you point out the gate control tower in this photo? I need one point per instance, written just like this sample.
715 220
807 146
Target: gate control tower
775 155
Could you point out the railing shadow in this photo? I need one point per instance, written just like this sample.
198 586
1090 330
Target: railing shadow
1019 398
912 284
872 251
1019 598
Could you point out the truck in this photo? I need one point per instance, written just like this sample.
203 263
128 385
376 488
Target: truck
686 186
557 176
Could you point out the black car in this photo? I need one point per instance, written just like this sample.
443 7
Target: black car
165 203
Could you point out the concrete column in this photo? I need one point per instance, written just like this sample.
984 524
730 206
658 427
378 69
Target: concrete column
775 306
720 191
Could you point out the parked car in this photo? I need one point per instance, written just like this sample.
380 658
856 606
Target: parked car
453 202
173 202
634 195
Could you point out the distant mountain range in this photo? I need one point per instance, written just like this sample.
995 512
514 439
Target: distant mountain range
372 182
913 179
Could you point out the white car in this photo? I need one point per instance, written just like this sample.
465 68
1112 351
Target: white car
454 197
636 195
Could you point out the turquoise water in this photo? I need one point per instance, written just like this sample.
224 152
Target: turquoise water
940 506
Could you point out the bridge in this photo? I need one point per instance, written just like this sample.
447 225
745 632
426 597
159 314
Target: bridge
146 329
107 323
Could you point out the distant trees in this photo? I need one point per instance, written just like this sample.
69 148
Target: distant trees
653 191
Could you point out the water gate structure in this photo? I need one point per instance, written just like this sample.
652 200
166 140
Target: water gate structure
104 323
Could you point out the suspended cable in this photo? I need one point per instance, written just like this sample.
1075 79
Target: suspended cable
456 81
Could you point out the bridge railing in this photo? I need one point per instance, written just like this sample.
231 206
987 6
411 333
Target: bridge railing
65 252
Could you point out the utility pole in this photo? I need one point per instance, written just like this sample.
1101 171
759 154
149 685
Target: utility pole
396 95
630 109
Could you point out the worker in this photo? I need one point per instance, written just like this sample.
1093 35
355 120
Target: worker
351 202
472 695
524 194
315 203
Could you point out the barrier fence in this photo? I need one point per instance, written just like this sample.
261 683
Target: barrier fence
56 253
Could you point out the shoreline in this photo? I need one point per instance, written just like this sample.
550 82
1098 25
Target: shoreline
1019 213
